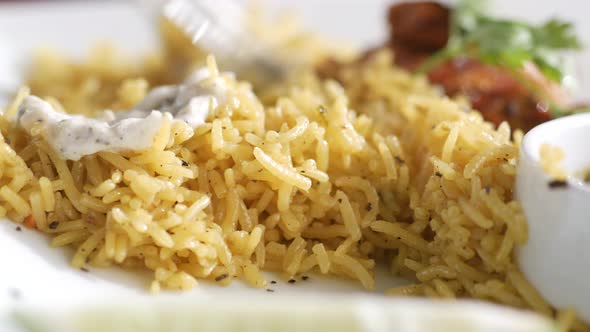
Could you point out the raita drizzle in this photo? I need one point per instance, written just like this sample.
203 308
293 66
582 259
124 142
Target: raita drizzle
75 136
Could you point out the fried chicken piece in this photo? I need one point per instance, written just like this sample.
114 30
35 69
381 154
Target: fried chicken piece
420 29
492 90
420 26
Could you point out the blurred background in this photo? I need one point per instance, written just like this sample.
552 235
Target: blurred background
361 21
75 26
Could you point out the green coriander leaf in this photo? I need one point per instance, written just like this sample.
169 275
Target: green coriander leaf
558 112
503 42
489 58
550 71
497 36
556 34
514 58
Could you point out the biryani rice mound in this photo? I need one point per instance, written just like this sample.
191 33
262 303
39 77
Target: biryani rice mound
328 176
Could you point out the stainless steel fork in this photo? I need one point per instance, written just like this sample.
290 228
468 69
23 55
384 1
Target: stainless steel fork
218 27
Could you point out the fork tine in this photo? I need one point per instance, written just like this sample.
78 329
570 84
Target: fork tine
181 13
216 26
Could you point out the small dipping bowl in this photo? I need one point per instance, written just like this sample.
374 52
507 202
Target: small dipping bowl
556 257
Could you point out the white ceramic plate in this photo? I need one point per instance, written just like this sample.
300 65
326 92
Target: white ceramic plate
37 282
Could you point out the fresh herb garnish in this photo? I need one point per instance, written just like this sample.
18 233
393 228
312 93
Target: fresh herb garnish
503 42
559 112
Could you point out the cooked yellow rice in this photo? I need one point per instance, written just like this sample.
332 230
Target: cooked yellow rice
551 159
322 177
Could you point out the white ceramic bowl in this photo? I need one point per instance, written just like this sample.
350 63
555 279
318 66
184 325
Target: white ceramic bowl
556 258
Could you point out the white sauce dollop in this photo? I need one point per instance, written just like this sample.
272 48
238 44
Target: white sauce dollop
75 136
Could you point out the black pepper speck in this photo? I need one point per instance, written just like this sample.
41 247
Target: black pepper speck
292 281
221 277
558 184
54 225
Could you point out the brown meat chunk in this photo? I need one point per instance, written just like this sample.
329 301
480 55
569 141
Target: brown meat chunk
492 90
420 26
408 58
418 30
